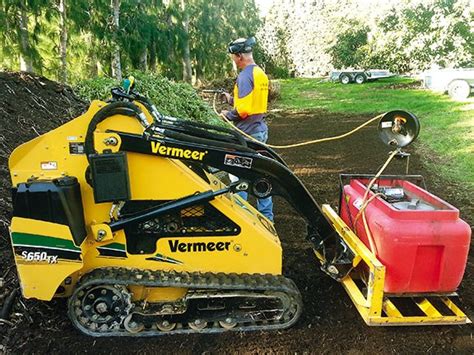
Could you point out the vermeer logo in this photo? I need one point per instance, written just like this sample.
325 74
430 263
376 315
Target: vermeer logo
157 148
177 246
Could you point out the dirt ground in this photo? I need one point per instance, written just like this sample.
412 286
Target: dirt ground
329 324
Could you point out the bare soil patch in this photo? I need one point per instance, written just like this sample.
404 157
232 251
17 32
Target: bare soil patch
404 86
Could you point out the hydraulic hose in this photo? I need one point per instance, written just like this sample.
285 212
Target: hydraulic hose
114 108
314 141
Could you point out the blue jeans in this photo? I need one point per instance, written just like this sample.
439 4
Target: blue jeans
264 205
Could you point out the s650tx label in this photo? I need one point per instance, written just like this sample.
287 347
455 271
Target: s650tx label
39 256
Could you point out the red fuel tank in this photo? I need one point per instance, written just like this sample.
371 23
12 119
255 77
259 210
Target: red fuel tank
417 236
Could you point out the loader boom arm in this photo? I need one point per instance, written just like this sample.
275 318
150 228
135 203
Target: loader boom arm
245 163
202 145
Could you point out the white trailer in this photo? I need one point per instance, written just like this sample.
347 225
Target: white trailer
458 83
359 76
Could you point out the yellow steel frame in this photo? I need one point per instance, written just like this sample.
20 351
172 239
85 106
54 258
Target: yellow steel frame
378 308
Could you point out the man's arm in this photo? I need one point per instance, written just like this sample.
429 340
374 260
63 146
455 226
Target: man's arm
232 115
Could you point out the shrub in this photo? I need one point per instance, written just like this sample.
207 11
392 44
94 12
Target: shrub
173 99
350 47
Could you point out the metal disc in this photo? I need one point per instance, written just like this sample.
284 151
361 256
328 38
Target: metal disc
398 128
132 326
227 324
165 325
198 324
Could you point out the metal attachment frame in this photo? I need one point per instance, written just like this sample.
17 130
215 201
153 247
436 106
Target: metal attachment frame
378 308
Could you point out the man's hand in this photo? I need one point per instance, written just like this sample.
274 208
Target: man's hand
224 112
227 96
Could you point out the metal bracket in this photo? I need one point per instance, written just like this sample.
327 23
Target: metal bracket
102 232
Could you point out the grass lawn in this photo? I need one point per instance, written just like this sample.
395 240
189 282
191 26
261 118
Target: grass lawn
447 126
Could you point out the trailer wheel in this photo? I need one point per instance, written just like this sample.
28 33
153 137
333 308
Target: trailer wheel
459 89
360 78
344 79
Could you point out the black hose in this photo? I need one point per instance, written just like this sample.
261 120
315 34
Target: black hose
114 108
208 142
147 104
200 133
196 128
232 132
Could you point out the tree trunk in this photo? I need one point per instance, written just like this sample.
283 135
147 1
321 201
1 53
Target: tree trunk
92 61
116 65
26 62
153 56
63 40
144 60
187 71
94 64
199 72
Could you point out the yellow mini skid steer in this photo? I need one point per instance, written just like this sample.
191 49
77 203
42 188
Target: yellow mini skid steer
119 210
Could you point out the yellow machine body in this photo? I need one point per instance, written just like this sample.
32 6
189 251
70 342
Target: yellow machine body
186 278
256 249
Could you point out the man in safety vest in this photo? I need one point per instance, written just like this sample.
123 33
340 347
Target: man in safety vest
250 102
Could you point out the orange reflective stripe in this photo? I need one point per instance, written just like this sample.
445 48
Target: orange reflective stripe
244 106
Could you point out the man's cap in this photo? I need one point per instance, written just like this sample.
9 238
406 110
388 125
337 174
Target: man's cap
241 45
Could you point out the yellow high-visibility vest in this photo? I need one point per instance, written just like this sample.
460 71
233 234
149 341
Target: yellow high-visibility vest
256 101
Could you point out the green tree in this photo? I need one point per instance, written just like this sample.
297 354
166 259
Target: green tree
423 34
19 29
213 24
313 37
85 38
350 48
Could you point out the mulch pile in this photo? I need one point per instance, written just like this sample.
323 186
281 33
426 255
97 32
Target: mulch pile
29 106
